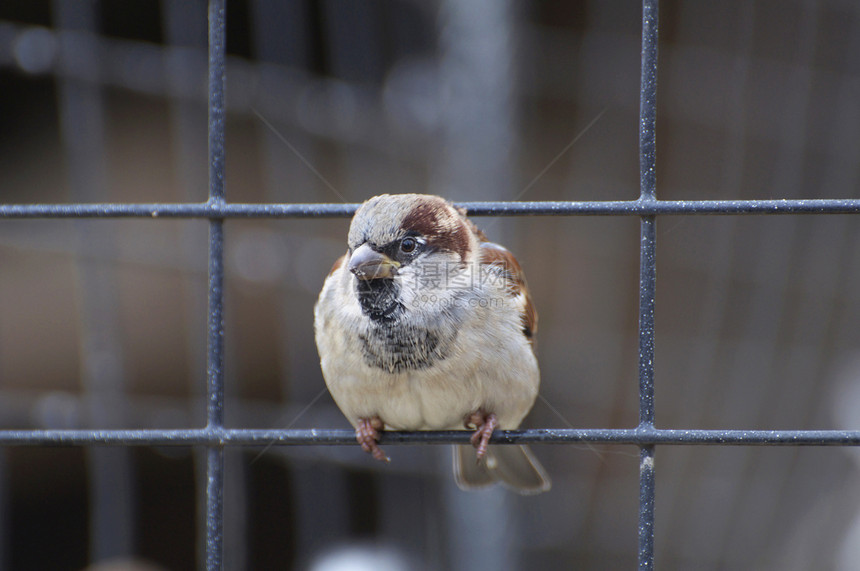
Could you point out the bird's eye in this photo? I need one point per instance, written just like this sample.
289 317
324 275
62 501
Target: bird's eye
408 244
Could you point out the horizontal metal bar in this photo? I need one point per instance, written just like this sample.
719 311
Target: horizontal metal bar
648 206
603 208
305 437
178 210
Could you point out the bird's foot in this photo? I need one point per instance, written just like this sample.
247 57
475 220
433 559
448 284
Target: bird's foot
484 425
367 434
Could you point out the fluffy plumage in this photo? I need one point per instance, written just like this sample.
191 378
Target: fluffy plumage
425 325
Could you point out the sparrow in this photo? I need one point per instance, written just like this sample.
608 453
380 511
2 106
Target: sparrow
425 325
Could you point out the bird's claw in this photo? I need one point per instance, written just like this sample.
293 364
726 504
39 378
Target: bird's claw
484 425
367 435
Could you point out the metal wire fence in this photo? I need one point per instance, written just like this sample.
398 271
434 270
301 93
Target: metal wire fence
215 437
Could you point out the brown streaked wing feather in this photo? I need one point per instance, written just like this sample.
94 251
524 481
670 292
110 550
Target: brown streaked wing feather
505 265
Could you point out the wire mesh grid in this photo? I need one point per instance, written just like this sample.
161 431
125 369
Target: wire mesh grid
215 437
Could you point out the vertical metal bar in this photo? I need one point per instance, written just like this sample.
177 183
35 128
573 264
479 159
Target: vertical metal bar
5 512
648 102
647 282
217 77
185 25
646 507
647 287
215 357
647 276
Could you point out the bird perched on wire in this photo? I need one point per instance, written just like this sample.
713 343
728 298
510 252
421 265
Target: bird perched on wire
425 325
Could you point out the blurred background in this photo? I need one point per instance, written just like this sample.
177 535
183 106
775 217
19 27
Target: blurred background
102 322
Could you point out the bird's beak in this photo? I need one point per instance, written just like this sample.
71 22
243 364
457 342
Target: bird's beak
368 264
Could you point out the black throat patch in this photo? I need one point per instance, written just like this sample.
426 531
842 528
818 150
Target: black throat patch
379 299
392 344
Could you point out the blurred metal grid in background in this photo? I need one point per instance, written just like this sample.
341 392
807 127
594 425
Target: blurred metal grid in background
485 102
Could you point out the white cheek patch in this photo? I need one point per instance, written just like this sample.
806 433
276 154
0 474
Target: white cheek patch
437 282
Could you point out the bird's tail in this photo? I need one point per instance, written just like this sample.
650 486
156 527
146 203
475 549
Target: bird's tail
514 466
